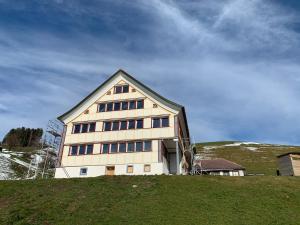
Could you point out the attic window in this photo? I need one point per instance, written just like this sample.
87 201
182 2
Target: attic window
121 89
86 112
133 90
154 105
108 93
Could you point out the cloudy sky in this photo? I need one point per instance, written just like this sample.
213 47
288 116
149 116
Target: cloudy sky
233 64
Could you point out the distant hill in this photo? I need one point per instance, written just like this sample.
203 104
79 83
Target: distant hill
256 157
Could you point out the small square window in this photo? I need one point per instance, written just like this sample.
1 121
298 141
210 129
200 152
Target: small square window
131 124
130 147
115 125
132 104
83 171
89 149
77 128
81 149
118 89
129 169
125 89
109 106
114 148
147 168
124 105
156 122
147 146
139 124
74 150
92 127
84 128
165 122
107 126
140 104
123 125
105 148
117 106
139 146
101 107
122 147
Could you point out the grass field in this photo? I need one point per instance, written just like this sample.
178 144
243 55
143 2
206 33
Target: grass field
155 200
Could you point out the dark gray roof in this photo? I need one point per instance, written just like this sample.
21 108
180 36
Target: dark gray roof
217 165
288 153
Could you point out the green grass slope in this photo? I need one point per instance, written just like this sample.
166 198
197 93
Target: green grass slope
155 200
256 158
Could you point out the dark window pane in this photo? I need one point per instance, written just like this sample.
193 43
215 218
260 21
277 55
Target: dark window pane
115 125
140 104
89 149
165 122
105 148
77 128
139 124
124 105
123 125
132 105
84 128
156 122
81 149
139 146
122 147
92 127
125 89
74 150
107 126
117 106
118 89
114 148
83 171
102 108
147 145
109 107
130 147
131 124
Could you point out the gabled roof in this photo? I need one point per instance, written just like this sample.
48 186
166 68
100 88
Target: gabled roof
137 83
217 165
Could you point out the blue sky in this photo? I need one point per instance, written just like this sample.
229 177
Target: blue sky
233 64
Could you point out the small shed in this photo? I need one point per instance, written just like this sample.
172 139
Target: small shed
289 164
218 167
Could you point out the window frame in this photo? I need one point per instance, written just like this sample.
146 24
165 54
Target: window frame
99 107
117 147
127 169
137 122
104 125
102 147
137 104
86 170
149 166
86 149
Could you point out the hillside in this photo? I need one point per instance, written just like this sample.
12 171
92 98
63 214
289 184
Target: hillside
152 200
257 158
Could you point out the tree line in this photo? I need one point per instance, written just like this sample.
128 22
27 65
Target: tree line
23 137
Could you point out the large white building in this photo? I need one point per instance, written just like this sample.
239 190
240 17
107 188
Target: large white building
124 128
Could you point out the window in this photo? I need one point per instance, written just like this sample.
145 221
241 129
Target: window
105 148
130 147
125 89
131 124
109 106
92 127
156 122
130 169
139 146
101 108
77 128
84 128
107 126
74 150
147 146
115 125
83 171
132 105
81 149
117 106
114 148
89 149
124 105
140 104
139 124
165 122
123 125
118 89
147 168
122 147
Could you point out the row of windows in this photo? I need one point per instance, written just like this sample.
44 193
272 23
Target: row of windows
130 169
122 147
82 149
124 105
123 125
84 128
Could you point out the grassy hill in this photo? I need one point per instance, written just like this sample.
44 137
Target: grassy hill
257 158
152 200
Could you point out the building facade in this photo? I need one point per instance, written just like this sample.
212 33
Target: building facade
289 164
124 128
